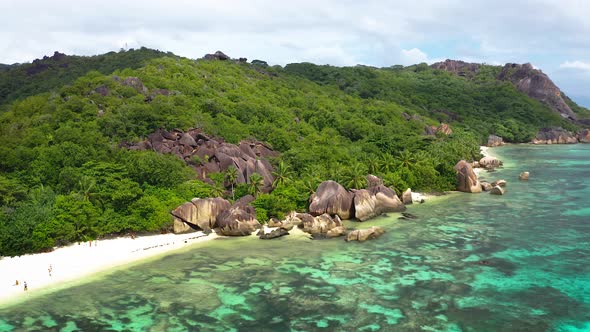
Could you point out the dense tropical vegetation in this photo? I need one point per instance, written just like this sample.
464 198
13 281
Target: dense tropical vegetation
18 81
64 177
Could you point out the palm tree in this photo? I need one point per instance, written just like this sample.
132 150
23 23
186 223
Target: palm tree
231 176
282 174
356 174
387 163
217 187
256 184
406 159
314 170
217 190
86 186
310 184
395 182
338 173
373 164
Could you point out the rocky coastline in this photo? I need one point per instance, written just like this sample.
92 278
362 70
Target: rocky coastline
329 205
550 135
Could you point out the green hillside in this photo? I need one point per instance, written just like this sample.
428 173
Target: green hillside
64 178
19 81
479 103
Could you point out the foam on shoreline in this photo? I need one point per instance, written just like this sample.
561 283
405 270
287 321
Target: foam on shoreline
485 151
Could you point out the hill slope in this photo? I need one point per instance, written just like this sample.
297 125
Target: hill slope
465 95
43 75
66 174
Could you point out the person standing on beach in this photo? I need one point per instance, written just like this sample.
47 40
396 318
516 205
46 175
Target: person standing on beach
50 269
26 286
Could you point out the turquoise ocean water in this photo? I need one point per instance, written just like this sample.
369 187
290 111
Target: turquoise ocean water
469 262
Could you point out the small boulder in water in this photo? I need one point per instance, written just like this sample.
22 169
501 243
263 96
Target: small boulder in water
278 232
365 234
500 183
409 215
524 176
486 186
497 190
336 231
407 196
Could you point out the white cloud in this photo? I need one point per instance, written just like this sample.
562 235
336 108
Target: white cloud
412 56
575 65
338 32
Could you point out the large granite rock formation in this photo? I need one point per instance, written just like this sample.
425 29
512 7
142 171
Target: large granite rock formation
216 56
216 213
319 225
292 220
333 199
238 220
460 68
494 140
490 162
207 155
201 213
135 83
374 201
525 78
556 135
180 227
373 181
365 234
466 178
442 128
584 136
536 85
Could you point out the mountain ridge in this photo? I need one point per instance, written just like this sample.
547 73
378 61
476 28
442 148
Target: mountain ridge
527 79
49 72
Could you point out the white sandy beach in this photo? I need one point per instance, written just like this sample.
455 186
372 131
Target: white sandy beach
485 151
76 261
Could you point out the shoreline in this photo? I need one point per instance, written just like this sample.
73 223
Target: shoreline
485 151
76 262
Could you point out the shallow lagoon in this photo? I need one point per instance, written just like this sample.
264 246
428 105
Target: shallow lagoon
422 275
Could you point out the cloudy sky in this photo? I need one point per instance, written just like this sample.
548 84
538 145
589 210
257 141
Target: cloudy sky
553 35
